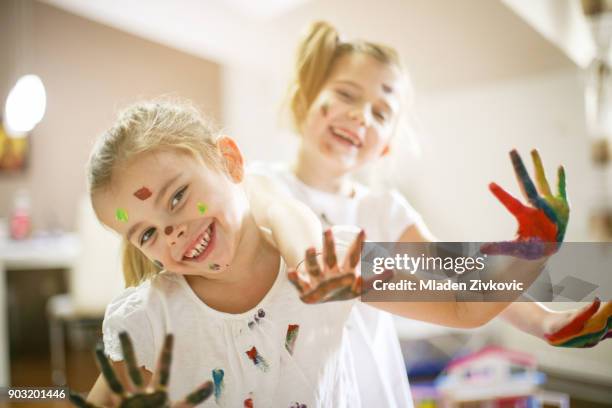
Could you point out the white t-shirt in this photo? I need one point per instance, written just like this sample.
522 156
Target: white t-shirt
384 216
266 358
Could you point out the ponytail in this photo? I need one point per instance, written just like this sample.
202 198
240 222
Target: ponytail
316 54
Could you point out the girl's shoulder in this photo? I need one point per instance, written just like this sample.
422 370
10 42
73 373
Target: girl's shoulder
134 302
139 311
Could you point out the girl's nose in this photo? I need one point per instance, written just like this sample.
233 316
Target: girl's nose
361 115
174 233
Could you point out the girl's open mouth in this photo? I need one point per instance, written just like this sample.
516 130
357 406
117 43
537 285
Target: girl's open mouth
345 137
202 246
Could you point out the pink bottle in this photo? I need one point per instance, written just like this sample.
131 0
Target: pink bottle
20 224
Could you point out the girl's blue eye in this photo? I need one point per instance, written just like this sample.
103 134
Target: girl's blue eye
176 198
146 236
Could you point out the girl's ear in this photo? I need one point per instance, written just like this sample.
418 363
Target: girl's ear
232 157
386 150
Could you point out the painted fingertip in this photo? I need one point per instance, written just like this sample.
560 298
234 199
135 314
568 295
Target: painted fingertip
78 400
201 394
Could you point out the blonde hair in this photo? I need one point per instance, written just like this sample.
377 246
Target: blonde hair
144 127
317 52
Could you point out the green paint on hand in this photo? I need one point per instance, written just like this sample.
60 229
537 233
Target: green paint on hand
121 215
202 208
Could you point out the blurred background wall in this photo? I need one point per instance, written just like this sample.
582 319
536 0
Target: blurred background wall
90 71
485 82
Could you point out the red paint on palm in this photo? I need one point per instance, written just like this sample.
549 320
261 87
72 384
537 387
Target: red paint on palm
533 222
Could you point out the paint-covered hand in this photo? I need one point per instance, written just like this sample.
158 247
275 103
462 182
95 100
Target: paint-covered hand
582 328
541 226
135 394
329 281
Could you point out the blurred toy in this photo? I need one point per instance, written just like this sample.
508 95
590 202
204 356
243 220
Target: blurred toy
495 377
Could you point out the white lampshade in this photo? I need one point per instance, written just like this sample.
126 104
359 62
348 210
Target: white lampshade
25 106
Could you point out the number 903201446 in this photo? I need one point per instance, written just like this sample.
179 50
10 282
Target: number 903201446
8 394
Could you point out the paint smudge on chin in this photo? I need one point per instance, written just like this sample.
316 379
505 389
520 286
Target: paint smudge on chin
143 193
257 359
121 215
158 264
214 266
292 333
202 208
218 375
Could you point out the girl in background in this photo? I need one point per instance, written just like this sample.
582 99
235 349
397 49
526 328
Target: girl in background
346 101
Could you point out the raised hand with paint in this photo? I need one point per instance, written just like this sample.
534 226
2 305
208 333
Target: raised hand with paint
584 329
330 281
541 228
133 392
197 265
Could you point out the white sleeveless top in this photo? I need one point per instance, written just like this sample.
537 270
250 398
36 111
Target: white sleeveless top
281 353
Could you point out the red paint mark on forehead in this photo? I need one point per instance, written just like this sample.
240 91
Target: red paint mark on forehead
168 230
143 193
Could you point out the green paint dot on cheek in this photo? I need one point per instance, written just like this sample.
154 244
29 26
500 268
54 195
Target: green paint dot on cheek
202 208
121 215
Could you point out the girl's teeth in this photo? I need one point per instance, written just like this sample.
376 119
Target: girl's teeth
201 246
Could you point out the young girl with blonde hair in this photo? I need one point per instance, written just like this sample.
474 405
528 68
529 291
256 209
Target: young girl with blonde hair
347 99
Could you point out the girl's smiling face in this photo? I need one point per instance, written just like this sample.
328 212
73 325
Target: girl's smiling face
179 211
352 119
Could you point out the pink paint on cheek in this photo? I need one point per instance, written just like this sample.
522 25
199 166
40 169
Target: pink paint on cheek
143 193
